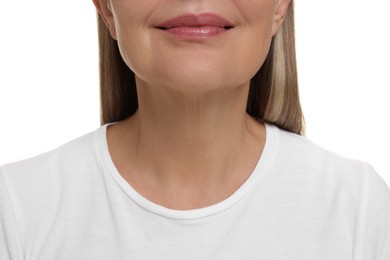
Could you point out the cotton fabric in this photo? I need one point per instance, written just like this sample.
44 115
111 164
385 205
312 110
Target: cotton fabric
300 202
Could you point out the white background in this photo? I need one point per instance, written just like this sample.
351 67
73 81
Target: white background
49 76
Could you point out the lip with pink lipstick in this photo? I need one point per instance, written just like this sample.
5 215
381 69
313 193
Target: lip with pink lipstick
196 27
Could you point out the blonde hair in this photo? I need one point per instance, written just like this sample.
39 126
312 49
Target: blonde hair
273 94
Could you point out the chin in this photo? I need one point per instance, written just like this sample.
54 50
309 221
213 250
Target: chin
196 81
196 74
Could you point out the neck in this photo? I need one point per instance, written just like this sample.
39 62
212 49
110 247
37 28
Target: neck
182 140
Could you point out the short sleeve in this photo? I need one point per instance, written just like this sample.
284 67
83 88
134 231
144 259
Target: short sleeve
10 244
373 224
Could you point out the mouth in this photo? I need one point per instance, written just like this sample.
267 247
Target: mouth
168 28
190 26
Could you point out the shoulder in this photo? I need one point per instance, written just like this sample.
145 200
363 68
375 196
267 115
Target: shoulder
69 153
300 161
300 151
33 191
335 190
48 173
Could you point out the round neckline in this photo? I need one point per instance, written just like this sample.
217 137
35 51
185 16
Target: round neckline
258 172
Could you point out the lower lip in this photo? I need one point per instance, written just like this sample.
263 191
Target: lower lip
196 33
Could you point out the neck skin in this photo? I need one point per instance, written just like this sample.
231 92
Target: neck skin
187 150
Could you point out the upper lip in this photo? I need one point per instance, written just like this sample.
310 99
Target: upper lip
193 20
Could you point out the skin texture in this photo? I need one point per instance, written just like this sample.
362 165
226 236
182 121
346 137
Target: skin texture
191 143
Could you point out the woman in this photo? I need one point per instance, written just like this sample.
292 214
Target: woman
199 155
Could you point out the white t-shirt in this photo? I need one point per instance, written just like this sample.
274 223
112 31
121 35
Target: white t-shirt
301 202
